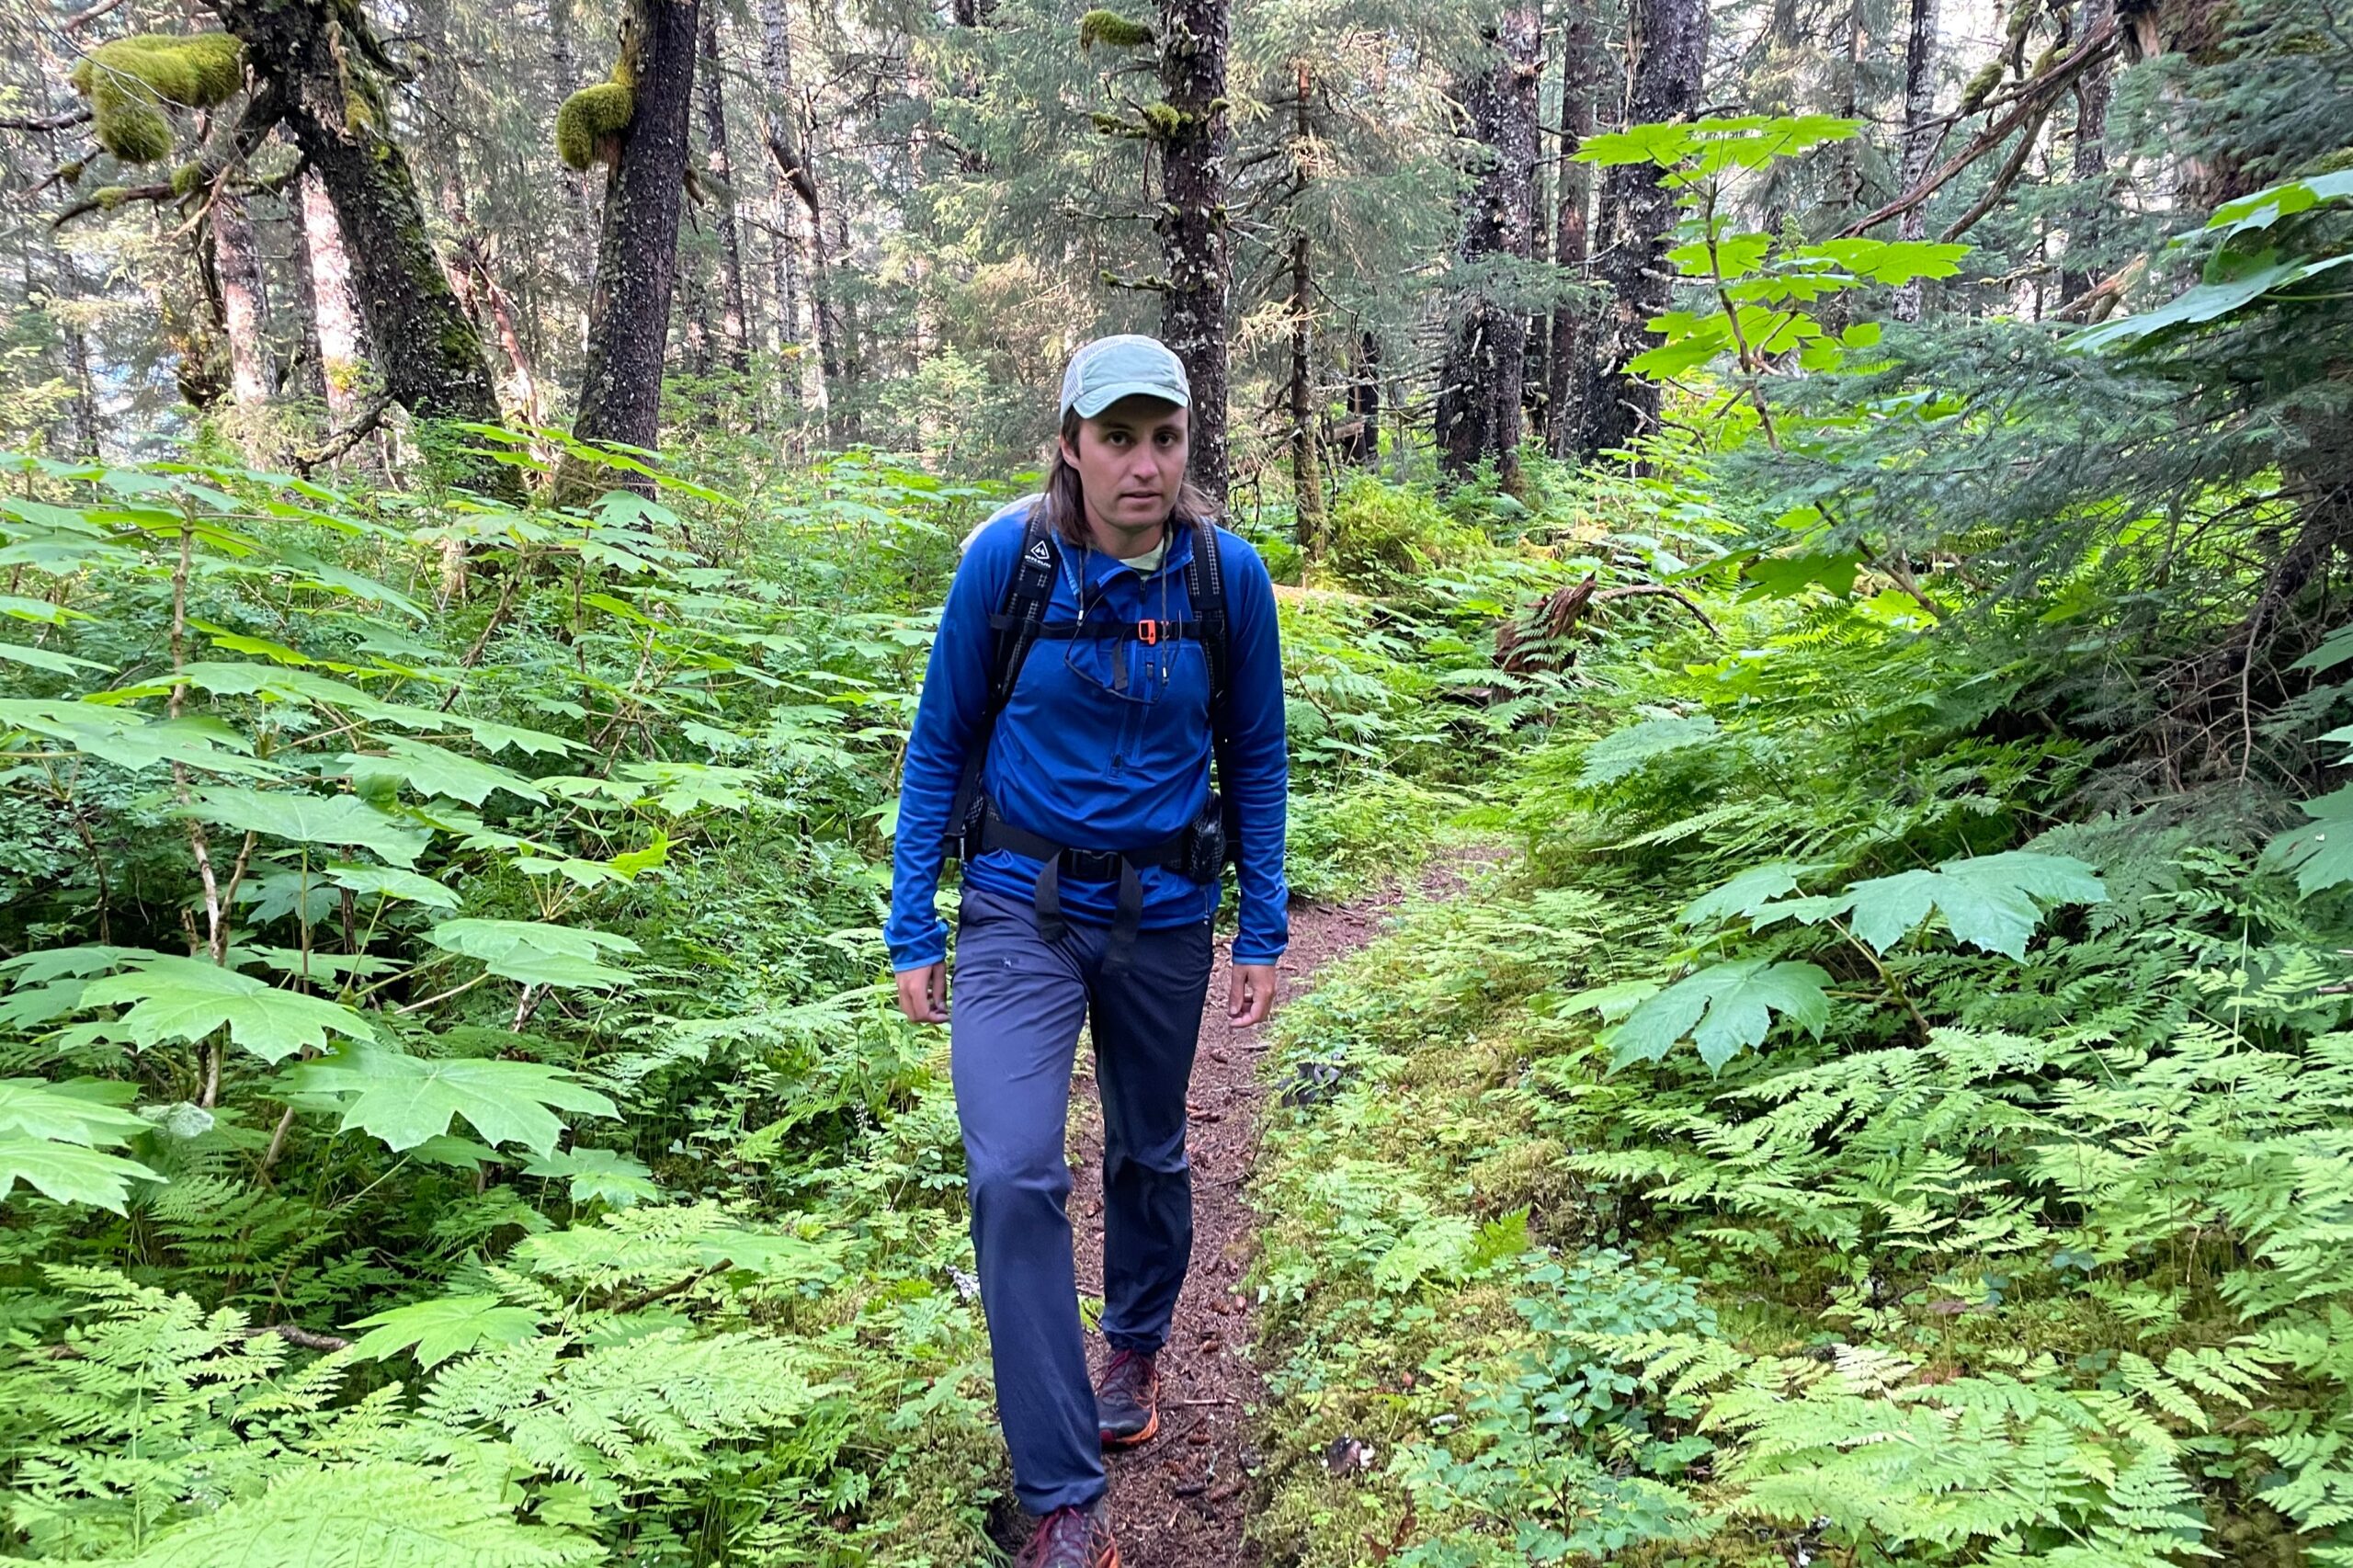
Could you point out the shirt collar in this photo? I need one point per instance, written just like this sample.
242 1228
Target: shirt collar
1100 568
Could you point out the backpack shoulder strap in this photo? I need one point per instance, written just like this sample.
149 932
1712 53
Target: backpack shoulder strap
1012 628
1205 581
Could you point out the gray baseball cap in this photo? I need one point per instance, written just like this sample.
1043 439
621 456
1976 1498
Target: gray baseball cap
1126 365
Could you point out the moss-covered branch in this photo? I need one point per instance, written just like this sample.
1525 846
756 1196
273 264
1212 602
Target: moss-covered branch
1112 31
130 80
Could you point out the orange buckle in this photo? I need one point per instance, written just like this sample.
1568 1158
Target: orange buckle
1148 632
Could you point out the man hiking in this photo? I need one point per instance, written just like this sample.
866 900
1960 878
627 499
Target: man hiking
1102 644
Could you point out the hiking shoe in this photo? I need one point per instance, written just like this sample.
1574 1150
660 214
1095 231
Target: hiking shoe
1072 1537
1127 1399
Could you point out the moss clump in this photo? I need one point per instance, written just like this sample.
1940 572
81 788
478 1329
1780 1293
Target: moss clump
131 80
109 197
187 177
587 118
1112 30
1981 87
1165 119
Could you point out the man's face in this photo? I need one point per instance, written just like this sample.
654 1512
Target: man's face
1130 460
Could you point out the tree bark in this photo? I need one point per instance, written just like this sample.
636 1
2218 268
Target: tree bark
1192 223
1638 218
1565 367
327 73
236 270
83 419
1920 137
2090 159
1478 394
307 379
776 67
734 317
621 390
1306 473
334 312
1361 443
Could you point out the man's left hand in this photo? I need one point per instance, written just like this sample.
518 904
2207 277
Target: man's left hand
1252 997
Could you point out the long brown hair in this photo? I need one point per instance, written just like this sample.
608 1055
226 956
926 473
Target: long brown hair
1066 501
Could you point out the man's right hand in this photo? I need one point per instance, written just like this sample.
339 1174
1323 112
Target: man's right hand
923 993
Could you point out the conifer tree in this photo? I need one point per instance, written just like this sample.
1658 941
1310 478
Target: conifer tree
1480 390
635 124
1190 131
1637 222
1565 366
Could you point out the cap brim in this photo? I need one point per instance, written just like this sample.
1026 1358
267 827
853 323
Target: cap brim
1088 404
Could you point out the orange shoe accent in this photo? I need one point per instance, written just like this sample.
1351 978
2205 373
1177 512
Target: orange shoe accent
1151 1430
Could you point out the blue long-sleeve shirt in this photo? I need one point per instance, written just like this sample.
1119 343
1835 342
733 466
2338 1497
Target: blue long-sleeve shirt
1078 762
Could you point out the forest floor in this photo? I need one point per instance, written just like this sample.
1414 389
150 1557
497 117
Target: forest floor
1182 1500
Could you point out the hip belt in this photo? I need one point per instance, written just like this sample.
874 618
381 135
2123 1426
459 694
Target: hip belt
1195 852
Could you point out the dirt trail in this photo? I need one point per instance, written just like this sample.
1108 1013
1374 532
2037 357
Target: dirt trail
1178 1501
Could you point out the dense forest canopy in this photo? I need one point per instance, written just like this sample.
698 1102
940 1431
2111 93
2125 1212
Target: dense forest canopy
1828 522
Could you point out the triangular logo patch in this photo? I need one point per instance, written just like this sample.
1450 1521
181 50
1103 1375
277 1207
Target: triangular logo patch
1040 555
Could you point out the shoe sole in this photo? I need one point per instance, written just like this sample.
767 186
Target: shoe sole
1151 1430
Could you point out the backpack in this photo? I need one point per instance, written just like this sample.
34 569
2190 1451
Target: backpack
1020 622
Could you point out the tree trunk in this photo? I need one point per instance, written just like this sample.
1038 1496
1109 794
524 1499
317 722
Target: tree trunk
307 379
491 301
1192 221
637 252
842 311
83 419
1920 138
1638 218
776 67
580 212
2090 162
334 313
1360 444
1486 358
236 270
1306 473
328 73
734 317
1836 311
1565 370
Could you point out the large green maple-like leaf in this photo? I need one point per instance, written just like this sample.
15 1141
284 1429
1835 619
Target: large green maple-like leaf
2320 852
80 1110
1992 901
1747 892
434 770
132 741
46 659
303 818
279 684
379 1514
2202 302
440 1329
391 881
47 1133
68 1173
407 1100
178 998
45 964
595 1173
1726 1010
535 952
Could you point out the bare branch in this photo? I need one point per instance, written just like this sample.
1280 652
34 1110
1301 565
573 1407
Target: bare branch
2034 99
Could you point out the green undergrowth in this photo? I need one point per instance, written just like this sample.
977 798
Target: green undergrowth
451 1104
1843 1135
